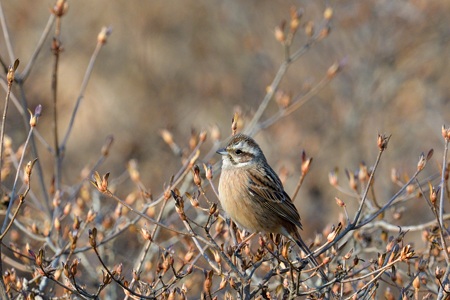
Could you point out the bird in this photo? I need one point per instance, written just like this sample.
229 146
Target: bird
253 196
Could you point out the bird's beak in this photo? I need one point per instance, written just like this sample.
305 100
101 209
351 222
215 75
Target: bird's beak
222 151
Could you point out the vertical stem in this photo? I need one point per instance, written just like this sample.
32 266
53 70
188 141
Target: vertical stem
441 199
2 130
56 48
10 81
6 35
2 136
442 293
34 150
16 180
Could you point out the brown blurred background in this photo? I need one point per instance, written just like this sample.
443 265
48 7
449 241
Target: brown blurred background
189 64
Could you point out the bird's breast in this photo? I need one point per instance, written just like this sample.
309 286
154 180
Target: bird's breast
241 206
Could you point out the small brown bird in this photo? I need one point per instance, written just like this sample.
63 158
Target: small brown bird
252 195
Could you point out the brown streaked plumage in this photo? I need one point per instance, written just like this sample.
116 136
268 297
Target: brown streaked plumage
252 195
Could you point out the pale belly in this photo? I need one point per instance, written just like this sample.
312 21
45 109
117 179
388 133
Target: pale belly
239 206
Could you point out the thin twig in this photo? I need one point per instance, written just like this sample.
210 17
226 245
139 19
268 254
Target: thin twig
441 227
293 107
19 167
56 49
119 282
84 84
388 204
10 80
353 226
276 82
372 280
142 215
299 185
184 170
7 226
410 228
26 71
146 248
6 35
366 191
443 187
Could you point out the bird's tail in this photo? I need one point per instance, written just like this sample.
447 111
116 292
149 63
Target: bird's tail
310 256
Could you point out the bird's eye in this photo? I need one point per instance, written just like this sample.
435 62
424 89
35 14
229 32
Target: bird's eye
238 151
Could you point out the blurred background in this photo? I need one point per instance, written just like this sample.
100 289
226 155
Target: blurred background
189 65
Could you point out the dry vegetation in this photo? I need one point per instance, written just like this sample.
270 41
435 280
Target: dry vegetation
89 215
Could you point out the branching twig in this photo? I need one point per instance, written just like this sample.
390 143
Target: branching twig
113 276
33 121
101 41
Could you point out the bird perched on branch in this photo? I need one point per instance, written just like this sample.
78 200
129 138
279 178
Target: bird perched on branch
252 195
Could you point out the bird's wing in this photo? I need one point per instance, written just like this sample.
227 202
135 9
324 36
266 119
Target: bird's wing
268 190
